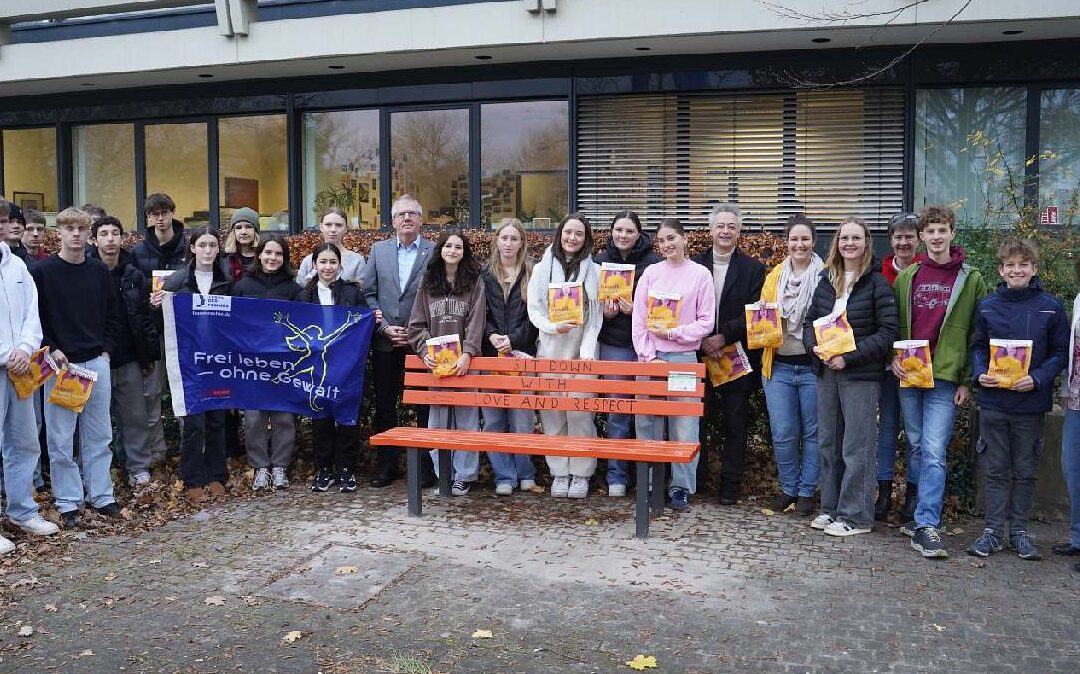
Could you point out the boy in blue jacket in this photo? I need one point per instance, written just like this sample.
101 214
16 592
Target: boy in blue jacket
1011 419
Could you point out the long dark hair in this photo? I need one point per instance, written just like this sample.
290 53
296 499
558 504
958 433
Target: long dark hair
286 268
196 234
571 266
468 271
311 290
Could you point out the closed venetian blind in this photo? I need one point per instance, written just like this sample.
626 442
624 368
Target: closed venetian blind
829 154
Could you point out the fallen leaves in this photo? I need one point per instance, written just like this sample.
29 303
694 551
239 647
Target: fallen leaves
939 628
26 631
482 634
344 570
110 577
642 662
768 512
214 600
291 637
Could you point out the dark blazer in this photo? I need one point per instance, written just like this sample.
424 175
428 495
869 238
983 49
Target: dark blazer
742 286
508 317
385 291
871 310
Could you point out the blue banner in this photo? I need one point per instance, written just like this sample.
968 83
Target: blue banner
251 354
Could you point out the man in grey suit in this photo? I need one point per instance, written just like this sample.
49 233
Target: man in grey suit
391 277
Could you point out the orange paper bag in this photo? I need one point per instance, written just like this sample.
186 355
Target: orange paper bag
834 335
763 326
1009 360
74 385
445 351
914 355
42 366
730 365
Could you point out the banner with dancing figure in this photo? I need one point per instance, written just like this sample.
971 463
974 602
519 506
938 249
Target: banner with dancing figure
252 354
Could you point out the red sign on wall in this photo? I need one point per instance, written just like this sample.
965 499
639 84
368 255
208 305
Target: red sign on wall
1049 216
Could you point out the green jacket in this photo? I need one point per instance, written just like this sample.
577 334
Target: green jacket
950 357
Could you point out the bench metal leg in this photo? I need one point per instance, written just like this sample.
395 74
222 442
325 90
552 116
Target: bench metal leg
659 488
446 470
412 481
641 512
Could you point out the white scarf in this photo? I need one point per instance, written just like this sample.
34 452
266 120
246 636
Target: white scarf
794 292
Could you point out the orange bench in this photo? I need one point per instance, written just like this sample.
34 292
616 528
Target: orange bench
534 384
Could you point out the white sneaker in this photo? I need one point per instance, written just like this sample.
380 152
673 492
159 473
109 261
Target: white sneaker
6 546
504 489
560 486
37 525
528 485
821 521
844 529
139 479
579 487
616 490
278 477
262 479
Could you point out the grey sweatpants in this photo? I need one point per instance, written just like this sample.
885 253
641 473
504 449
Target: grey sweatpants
282 438
847 434
1009 447
129 410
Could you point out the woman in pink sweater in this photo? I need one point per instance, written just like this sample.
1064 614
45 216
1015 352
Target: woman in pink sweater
689 287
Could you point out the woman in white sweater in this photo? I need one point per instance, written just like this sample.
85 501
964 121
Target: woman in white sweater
568 259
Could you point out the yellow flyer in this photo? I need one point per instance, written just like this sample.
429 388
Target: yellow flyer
663 309
763 326
42 366
1009 360
914 355
157 281
729 366
616 281
834 335
566 302
445 351
74 385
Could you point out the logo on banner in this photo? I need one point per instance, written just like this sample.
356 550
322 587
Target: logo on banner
313 345
219 305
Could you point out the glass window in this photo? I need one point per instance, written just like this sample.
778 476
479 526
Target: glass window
430 160
525 152
103 163
30 168
1059 154
969 151
177 165
341 166
253 169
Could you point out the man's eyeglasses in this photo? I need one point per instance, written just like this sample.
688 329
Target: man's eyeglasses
407 214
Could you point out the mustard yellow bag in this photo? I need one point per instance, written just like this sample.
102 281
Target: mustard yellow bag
42 366
445 351
834 335
731 364
74 385
1009 360
763 326
914 357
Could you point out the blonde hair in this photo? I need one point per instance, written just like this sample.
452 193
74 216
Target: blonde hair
72 216
521 260
230 241
834 262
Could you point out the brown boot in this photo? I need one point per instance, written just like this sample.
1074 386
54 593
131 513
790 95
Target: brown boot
216 489
195 495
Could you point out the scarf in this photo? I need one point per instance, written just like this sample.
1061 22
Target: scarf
794 293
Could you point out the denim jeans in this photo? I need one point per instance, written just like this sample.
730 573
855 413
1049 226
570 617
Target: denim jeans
618 425
466 464
929 415
1009 447
846 433
791 398
510 468
20 452
889 431
1070 467
95 434
679 429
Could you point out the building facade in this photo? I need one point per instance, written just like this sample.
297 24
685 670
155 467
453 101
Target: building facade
532 108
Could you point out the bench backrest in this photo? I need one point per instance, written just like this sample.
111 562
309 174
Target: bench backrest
534 384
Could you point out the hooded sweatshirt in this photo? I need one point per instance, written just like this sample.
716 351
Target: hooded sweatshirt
19 303
580 342
616 331
930 292
437 315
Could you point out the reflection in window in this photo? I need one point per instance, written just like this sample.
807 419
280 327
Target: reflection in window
341 166
30 168
176 164
525 150
969 151
253 170
1059 154
103 163
430 160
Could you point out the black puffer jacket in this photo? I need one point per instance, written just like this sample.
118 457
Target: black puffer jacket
871 310
277 286
149 255
183 282
616 330
139 338
508 316
344 294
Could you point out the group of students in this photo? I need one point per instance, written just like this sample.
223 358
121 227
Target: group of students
834 418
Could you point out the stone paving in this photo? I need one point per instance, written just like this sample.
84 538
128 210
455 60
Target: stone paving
562 586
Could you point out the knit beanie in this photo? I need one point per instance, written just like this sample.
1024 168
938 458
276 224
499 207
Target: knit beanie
247 215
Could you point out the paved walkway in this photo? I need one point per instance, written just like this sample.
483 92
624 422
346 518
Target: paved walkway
561 586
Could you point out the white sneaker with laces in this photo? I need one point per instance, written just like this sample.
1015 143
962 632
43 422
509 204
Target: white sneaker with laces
139 479
579 487
845 529
504 489
37 525
528 485
821 521
279 478
262 479
616 490
6 546
560 486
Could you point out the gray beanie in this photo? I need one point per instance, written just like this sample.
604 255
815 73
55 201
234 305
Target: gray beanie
247 215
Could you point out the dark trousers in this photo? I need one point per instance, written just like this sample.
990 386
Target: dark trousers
202 449
336 446
733 407
1009 447
388 379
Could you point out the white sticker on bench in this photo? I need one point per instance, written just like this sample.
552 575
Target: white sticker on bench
681 381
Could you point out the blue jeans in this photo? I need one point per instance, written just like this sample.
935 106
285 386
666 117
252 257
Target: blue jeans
466 464
21 451
95 434
929 415
618 425
1070 467
510 468
889 430
679 429
791 397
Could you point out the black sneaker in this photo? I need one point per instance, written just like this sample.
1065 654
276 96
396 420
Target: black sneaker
908 528
804 506
782 502
928 542
347 481
109 509
70 519
324 480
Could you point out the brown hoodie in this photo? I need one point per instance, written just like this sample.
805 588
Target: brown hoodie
438 316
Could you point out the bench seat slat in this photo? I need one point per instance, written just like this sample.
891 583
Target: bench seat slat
550 445
581 367
521 384
562 403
